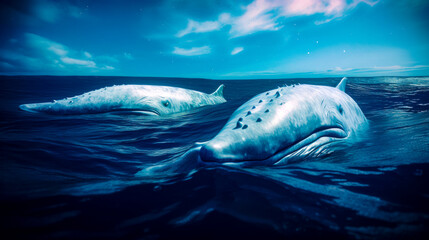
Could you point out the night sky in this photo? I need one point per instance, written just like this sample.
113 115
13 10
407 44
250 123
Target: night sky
215 39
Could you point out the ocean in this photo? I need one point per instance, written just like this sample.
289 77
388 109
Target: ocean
80 176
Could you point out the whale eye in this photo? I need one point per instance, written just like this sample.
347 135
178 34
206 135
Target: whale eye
340 109
166 103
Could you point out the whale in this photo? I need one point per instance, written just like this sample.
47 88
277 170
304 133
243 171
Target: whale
282 126
144 99
287 125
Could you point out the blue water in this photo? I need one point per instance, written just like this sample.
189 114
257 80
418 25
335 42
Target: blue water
83 176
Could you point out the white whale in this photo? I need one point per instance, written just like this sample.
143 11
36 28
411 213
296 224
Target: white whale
146 99
286 125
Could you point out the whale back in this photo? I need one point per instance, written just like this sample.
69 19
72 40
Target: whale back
281 118
158 100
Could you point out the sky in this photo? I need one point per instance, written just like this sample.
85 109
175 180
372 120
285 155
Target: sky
229 39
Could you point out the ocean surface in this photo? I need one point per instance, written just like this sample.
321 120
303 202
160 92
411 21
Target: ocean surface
83 176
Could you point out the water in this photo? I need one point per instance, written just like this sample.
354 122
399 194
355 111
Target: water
82 176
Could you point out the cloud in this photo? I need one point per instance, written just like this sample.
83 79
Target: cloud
128 56
196 27
47 11
44 45
252 74
59 50
377 70
108 68
56 51
265 15
394 70
80 62
237 50
6 65
30 11
208 26
195 51
35 53
51 11
87 54
108 58
260 15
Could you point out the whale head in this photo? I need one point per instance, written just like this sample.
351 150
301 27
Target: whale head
277 123
162 100
158 102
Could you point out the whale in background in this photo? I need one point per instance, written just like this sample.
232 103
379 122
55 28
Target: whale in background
285 125
146 99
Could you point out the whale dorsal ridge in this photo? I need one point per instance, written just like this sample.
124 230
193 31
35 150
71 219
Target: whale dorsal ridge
219 91
342 84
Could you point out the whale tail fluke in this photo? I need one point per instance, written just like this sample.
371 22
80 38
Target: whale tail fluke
219 91
342 84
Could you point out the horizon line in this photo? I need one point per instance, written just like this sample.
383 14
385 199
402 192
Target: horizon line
210 79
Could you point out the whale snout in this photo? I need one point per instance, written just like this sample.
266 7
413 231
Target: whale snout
209 153
25 107
225 151
29 107
216 152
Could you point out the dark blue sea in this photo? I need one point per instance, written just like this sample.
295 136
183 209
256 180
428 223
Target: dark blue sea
80 176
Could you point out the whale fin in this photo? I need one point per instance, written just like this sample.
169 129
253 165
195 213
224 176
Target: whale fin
342 84
219 91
